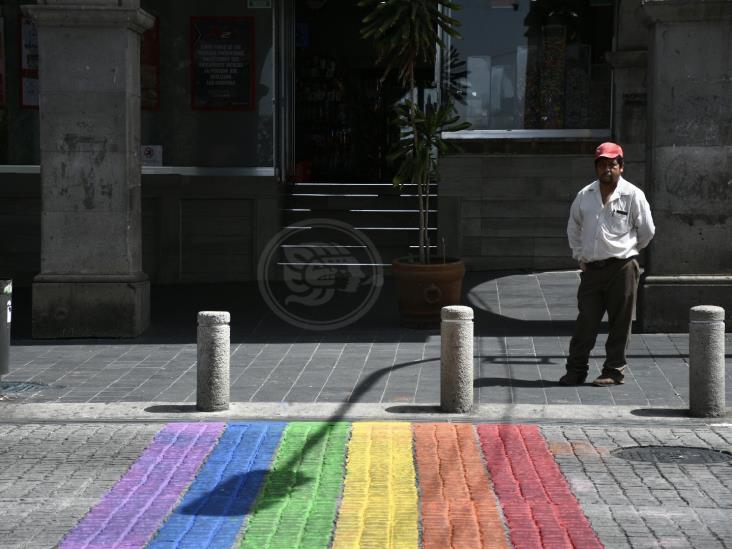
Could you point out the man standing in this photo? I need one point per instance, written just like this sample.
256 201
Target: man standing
609 224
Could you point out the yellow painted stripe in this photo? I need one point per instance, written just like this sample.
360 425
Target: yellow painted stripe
379 508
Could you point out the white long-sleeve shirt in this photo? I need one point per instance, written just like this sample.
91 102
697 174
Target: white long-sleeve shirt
620 228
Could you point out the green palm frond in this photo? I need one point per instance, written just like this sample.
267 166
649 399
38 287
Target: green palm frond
406 34
427 124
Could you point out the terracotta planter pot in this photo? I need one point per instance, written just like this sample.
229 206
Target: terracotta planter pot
423 290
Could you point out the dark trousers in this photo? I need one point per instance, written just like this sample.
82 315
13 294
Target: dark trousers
612 287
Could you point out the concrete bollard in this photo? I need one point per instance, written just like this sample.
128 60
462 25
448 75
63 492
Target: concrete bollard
706 361
456 359
212 387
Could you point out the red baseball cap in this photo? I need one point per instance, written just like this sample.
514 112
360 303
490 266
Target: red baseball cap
608 150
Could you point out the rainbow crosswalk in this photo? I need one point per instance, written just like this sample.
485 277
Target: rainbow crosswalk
341 485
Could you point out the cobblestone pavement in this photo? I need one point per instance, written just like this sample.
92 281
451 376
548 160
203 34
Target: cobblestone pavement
115 476
508 370
641 504
51 475
523 325
360 484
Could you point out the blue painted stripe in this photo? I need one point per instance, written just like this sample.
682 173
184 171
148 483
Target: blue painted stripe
213 510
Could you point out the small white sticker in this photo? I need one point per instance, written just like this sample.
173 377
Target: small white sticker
151 155
10 311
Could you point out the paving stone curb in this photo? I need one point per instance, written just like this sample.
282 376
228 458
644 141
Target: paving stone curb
172 411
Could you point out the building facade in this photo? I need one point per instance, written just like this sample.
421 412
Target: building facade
156 142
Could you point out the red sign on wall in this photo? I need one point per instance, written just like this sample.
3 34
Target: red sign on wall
150 68
223 71
28 37
3 99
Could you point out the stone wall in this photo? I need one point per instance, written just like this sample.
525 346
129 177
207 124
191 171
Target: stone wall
509 211
206 229
689 158
194 229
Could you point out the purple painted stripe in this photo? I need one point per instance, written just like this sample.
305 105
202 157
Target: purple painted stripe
132 511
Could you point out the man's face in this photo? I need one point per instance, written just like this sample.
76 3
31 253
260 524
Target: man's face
608 170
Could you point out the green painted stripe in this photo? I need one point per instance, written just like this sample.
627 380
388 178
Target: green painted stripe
297 505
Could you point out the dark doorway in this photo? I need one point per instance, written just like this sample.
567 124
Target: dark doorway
342 108
342 132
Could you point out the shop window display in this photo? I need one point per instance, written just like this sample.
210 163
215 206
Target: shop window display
178 127
207 84
535 64
19 120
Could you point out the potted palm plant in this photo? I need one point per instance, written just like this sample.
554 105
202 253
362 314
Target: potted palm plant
406 34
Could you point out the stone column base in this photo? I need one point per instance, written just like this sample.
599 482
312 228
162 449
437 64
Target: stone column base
664 301
90 306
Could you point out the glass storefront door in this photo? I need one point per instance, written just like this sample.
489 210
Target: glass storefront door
336 120
341 127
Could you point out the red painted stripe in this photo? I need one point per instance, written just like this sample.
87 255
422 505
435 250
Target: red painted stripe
539 507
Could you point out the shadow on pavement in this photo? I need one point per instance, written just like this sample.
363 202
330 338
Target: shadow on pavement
414 409
534 361
172 409
286 477
174 309
660 412
507 382
218 502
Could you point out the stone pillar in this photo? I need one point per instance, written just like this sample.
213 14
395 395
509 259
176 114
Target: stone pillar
456 359
214 358
689 160
91 282
706 362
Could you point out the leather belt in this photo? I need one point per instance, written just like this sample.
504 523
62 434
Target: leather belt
602 263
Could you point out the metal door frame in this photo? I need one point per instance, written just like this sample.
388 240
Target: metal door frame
284 96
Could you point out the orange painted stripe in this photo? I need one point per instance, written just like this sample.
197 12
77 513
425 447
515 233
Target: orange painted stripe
457 503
